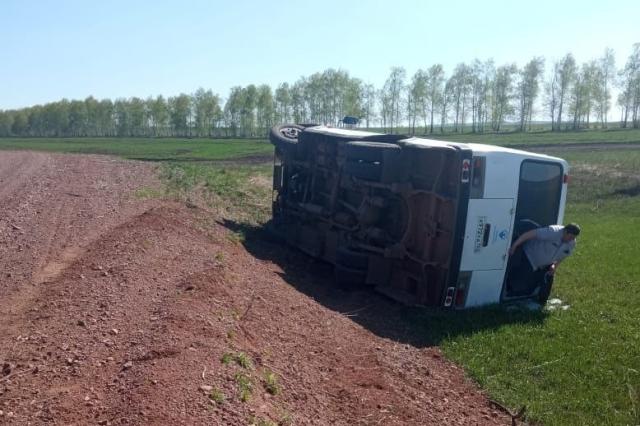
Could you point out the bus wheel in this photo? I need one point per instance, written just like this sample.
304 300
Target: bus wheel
285 134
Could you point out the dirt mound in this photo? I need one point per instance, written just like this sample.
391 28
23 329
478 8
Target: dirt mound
160 316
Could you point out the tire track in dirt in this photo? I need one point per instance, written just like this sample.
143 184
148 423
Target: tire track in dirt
16 181
54 268
45 221
20 178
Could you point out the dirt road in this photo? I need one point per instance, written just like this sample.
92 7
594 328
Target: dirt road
117 310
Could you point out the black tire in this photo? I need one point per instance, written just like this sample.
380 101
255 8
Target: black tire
349 278
285 134
352 259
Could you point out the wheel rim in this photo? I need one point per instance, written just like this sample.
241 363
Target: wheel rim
290 132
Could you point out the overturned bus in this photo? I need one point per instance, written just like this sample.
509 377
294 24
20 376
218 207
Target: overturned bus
425 222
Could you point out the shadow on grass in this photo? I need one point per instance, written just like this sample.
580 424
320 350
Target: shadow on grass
632 191
420 327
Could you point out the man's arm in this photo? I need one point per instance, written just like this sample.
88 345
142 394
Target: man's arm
529 235
554 266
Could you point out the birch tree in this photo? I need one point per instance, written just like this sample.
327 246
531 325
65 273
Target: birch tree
417 96
629 98
435 87
159 113
528 89
393 96
607 75
502 95
368 104
283 103
566 75
447 98
265 111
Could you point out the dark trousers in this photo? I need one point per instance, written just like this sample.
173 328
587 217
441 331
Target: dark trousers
523 280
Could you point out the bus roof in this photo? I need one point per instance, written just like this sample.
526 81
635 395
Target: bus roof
484 149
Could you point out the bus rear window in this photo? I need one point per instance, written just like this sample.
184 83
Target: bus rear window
539 192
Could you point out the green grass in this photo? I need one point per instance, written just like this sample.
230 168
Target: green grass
240 358
580 366
227 358
238 192
148 193
271 382
245 386
546 137
259 421
217 396
541 136
174 149
601 176
146 149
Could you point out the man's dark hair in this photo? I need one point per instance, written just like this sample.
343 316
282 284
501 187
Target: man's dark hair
572 229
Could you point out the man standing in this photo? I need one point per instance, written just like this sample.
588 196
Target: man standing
544 248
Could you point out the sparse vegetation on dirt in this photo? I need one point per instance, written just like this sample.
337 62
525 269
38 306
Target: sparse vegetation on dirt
217 396
259 421
238 192
245 385
239 358
227 358
271 382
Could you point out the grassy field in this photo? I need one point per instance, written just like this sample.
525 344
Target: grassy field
544 138
171 149
580 366
238 192
146 149
536 137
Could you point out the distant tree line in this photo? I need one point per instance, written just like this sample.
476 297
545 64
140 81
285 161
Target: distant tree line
477 97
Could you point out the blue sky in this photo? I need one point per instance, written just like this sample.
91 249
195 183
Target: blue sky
73 49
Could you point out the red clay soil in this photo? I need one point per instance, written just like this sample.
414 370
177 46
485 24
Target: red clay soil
117 310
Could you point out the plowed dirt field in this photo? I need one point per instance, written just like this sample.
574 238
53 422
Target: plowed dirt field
117 310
